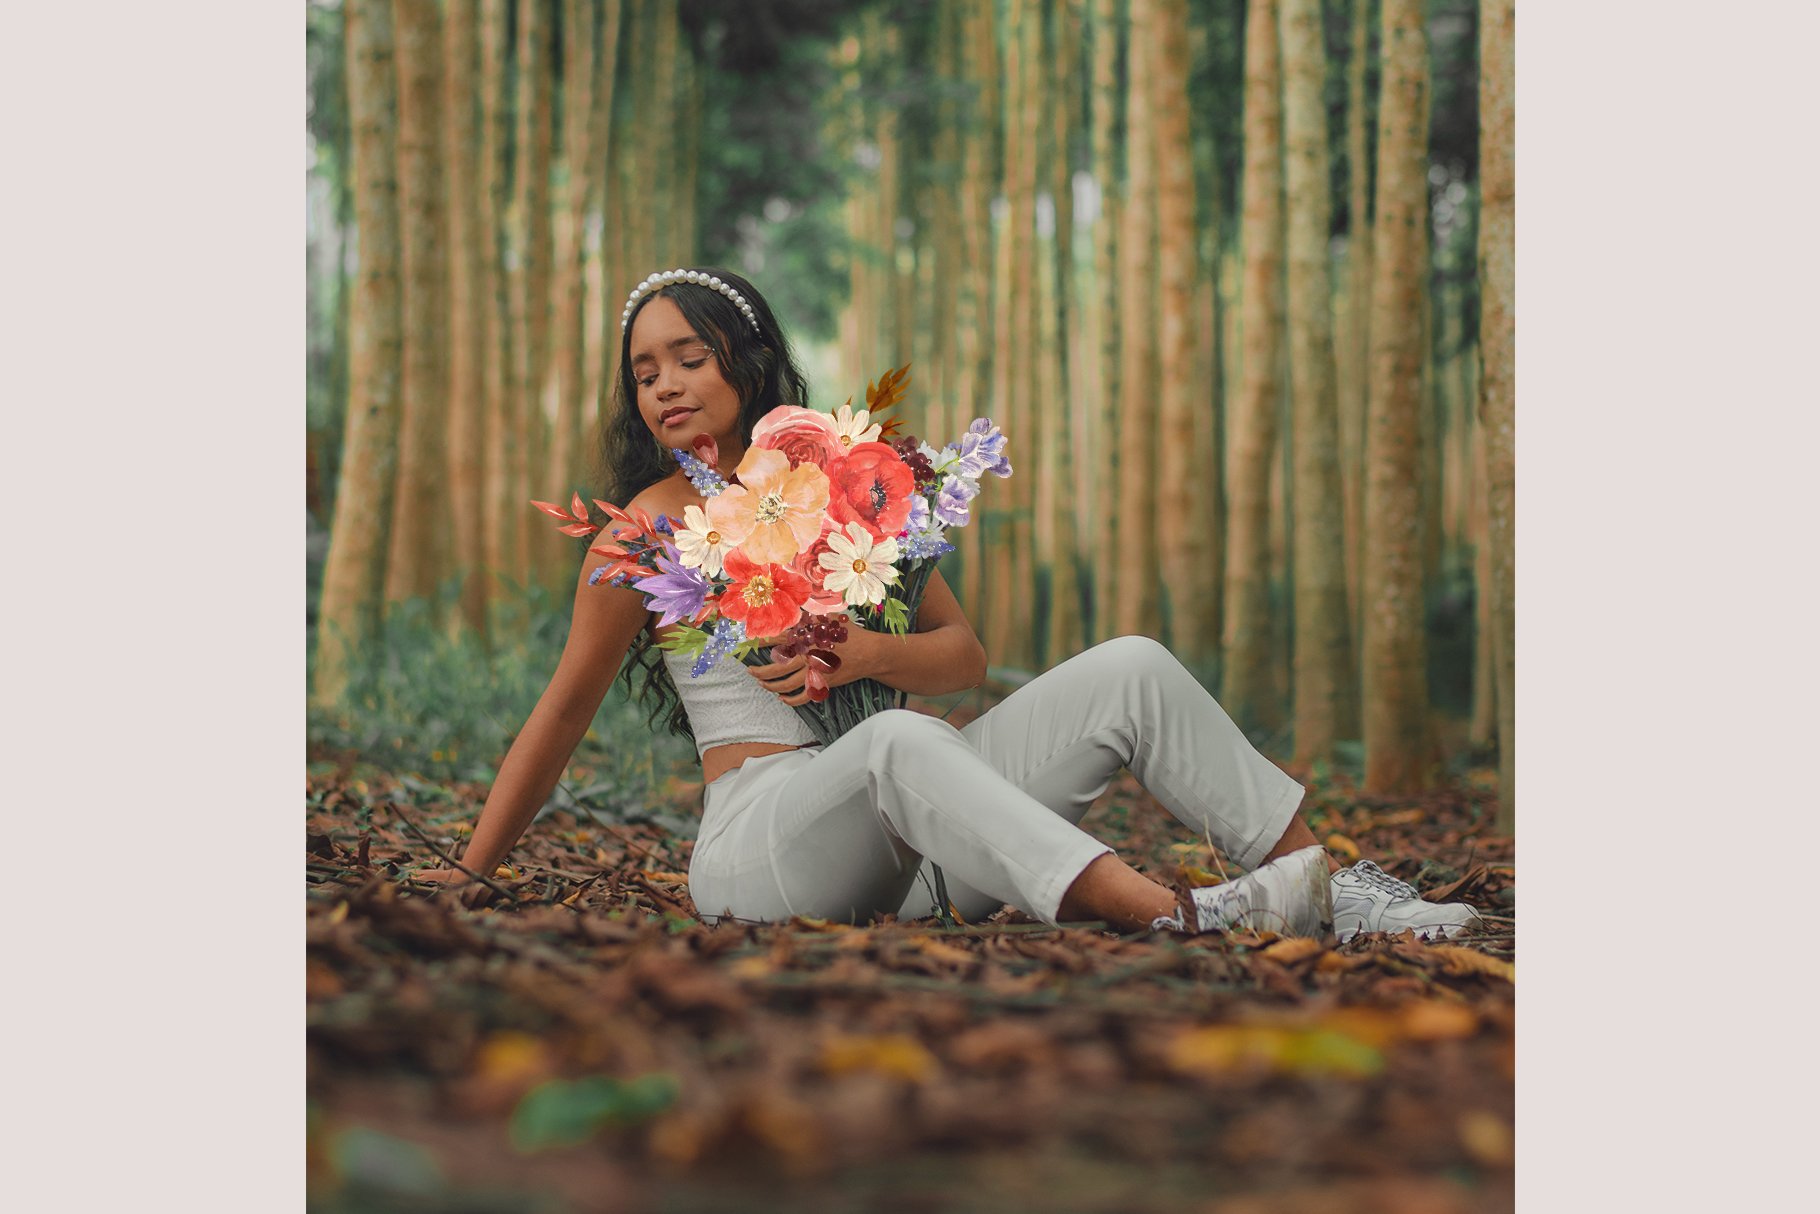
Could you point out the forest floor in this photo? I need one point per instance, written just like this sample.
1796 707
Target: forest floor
590 1045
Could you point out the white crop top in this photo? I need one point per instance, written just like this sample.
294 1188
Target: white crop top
726 704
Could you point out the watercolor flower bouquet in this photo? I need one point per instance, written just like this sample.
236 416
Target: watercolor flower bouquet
828 523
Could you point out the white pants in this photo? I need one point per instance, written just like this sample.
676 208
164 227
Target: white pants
841 833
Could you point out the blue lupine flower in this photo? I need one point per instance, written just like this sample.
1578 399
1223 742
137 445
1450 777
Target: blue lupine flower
951 503
727 634
928 542
600 571
663 525
706 480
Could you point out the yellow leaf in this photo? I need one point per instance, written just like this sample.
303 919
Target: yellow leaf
505 872
1486 1138
1464 962
1437 1020
1343 847
511 1056
675 878
751 967
894 1054
1292 949
1219 1049
1195 877
339 913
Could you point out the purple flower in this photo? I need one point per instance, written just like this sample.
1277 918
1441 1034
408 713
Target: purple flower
677 592
600 571
982 450
951 503
919 514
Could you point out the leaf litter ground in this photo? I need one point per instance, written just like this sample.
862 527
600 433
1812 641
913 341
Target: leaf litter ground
585 1043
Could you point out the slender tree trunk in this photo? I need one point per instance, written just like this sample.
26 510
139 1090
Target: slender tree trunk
1065 632
607 285
418 543
1398 753
542 548
1177 523
563 371
973 307
499 531
1355 346
1497 346
1325 708
467 307
1484 729
1137 608
1105 313
353 578
1248 690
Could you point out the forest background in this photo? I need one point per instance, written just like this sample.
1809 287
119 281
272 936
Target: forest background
1235 278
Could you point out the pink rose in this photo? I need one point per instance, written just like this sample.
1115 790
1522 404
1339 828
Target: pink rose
804 435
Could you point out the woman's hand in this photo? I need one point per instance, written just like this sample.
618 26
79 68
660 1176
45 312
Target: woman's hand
474 895
788 678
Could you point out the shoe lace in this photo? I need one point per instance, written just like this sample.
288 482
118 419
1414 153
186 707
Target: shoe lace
1376 877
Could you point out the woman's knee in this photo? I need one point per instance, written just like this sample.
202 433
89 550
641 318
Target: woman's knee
1133 654
899 728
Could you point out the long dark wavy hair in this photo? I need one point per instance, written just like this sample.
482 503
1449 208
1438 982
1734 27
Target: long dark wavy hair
762 369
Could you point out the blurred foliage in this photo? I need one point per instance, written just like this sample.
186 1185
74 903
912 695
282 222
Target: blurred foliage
446 706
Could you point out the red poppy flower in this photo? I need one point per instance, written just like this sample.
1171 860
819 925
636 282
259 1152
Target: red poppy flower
768 598
872 487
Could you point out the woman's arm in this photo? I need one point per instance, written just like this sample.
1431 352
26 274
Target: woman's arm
605 621
941 656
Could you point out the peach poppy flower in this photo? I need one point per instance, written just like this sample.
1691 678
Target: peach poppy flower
775 511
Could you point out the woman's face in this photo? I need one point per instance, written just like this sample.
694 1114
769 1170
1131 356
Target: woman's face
681 391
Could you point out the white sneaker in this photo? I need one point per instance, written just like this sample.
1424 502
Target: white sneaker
1367 899
1290 896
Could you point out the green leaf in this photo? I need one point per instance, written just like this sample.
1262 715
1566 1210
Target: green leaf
684 640
897 615
564 1113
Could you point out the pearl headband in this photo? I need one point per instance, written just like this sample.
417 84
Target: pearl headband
657 282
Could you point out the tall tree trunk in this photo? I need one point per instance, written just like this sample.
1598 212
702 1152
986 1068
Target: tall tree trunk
1137 610
1067 438
1177 523
1497 347
564 370
1356 344
1484 728
1007 586
1248 690
414 561
467 307
1325 708
663 165
499 530
607 287
1105 313
353 577
542 548
974 306
1398 752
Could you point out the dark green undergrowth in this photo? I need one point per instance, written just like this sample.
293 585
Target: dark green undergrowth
442 704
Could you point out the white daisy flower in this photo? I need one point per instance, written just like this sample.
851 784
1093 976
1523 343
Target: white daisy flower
699 544
859 567
852 427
